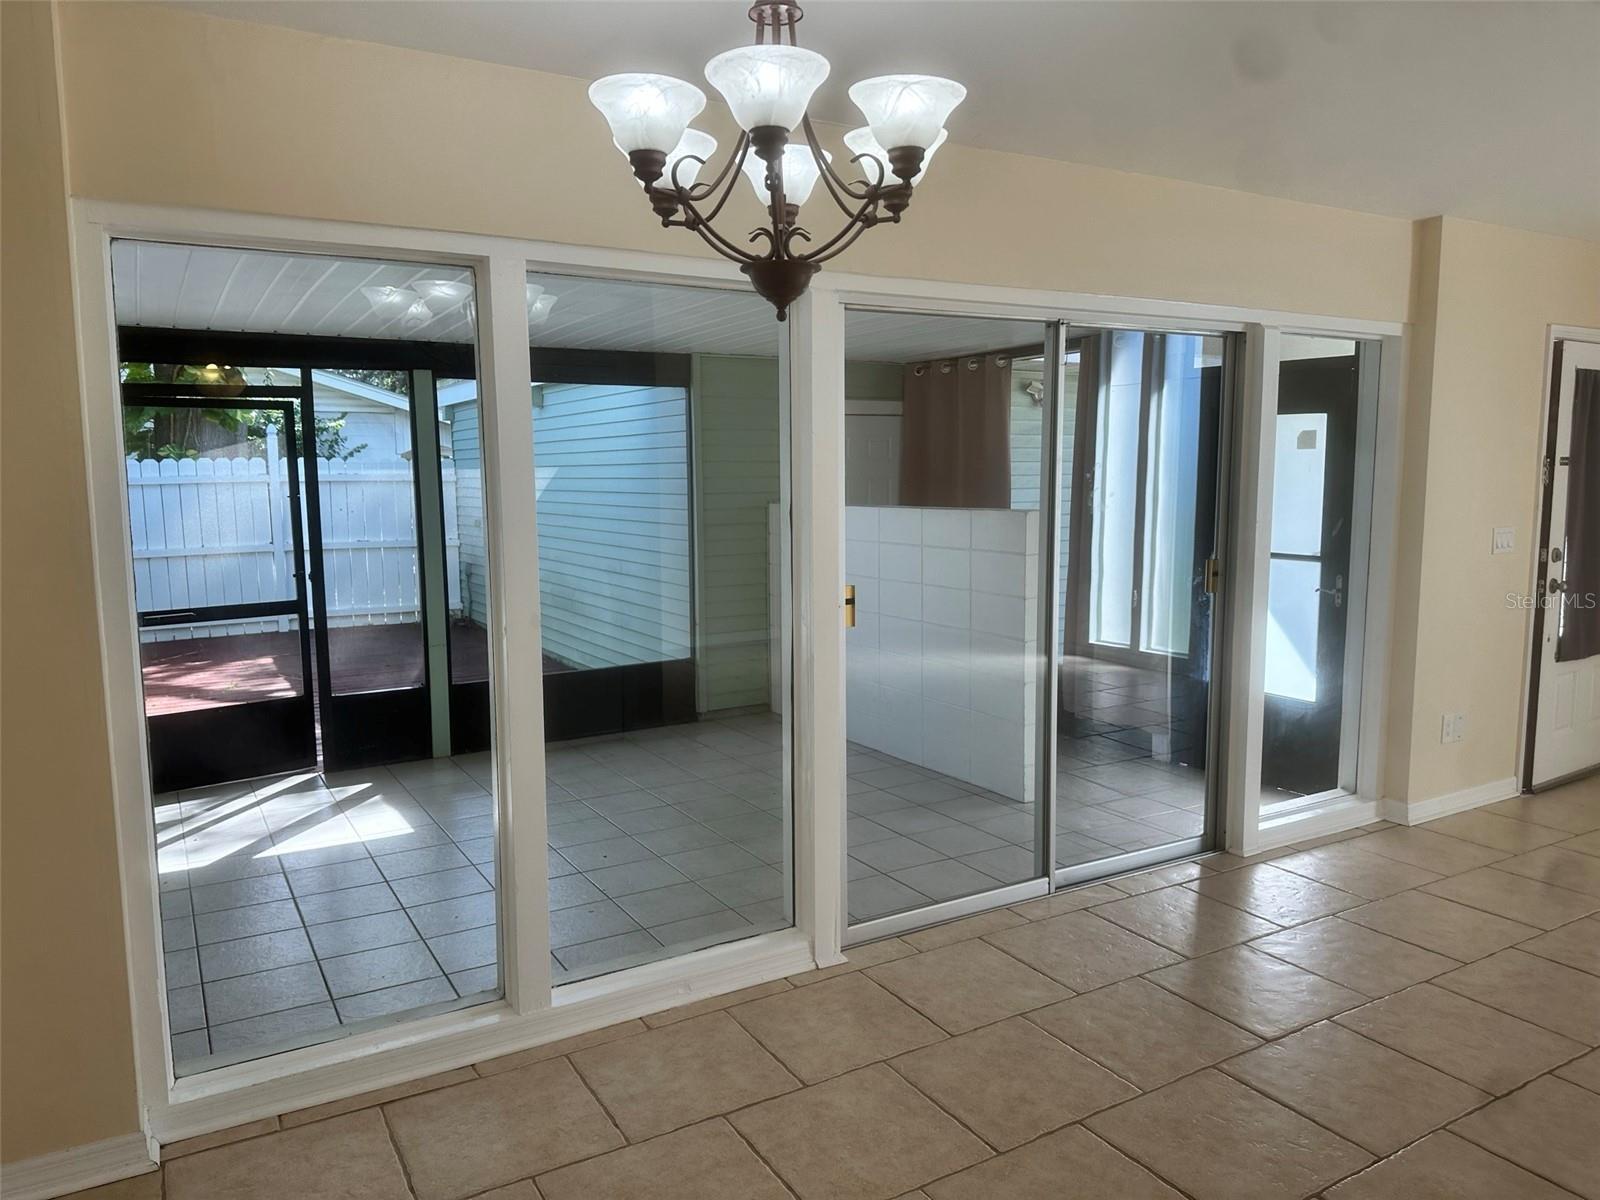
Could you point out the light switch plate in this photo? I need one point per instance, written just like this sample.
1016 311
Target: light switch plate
1453 728
1505 540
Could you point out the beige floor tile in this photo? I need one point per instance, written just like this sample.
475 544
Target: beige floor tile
1068 901
1377 1097
350 1157
1277 895
1548 1127
859 958
1143 1032
140 1187
1072 1164
835 1026
1440 925
716 1003
1265 995
1560 867
523 1189
1372 963
1587 843
1082 950
1226 861
1149 881
415 1087
681 1074
1443 1166
460 1140
556 1049
868 1135
1559 810
1219 1140
1495 831
703 1162
1011 1082
968 984
1423 848
1577 945
1355 871
222 1137
1585 1071
960 931
1549 994
1487 1048
1185 921
1515 896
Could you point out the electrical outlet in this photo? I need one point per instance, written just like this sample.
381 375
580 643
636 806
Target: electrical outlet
1453 729
1505 540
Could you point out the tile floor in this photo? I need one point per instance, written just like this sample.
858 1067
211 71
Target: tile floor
1394 1012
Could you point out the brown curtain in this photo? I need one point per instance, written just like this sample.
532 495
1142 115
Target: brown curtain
1580 623
955 447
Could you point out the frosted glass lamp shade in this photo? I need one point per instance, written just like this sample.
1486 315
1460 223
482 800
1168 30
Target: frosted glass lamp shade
907 110
697 147
646 112
390 301
767 85
440 294
800 172
861 141
539 306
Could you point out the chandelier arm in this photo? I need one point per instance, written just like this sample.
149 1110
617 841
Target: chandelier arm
728 179
860 221
735 160
702 226
835 182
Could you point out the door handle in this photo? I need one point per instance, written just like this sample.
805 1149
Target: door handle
1557 586
849 606
1336 591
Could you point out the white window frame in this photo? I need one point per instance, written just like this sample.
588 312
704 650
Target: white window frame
812 371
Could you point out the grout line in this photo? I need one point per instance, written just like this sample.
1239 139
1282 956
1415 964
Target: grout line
405 1168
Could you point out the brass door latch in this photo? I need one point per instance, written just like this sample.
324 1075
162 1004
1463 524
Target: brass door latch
849 606
1213 576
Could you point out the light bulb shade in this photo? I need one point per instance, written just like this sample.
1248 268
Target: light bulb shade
907 110
697 147
390 301
800 172
767 85
861 141
440 294
539 306
646 112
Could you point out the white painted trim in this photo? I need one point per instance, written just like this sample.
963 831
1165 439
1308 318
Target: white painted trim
813 381
1382 548
1340 813
1418 811
74 1170
1244 584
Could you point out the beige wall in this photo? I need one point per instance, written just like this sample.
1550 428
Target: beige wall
1486 296
67 1074
172 108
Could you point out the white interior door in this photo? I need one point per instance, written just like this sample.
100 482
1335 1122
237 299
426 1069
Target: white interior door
871 459
1566 731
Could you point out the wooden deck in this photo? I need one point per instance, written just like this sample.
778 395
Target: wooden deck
210 672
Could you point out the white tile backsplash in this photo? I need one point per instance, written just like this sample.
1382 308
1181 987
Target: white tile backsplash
940 667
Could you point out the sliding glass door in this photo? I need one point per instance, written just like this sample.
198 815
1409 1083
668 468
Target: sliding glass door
1138 527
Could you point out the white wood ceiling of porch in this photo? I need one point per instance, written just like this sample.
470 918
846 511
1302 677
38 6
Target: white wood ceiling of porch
167 286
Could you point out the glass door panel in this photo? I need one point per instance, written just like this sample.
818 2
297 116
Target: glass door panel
1138 528
944 663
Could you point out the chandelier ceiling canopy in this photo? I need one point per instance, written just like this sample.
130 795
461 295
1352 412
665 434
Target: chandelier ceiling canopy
768 86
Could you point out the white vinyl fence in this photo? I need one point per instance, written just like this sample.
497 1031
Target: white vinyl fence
210 531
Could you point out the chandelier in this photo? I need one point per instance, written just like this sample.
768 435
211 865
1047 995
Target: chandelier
768 86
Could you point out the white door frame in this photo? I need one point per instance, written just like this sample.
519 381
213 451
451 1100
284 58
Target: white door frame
1530 701
813 375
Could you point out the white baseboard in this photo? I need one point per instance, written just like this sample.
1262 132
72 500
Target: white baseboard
1337 816
1451 802
74 1170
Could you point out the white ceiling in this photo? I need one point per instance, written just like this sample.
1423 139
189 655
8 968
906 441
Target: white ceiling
1489 111
259 291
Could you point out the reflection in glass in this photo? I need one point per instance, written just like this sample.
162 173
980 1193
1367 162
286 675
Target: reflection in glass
944 421
655 414
1313 554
